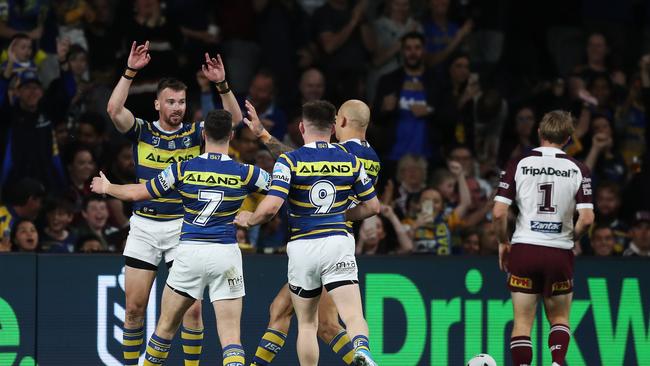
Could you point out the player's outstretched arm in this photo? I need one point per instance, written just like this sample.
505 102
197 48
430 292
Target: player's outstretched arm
363 210
265 211
123 118
125 192
585 220
253 122
214 70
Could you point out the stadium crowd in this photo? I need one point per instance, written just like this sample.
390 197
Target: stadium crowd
456 89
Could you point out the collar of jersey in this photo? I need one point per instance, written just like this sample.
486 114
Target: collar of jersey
313 144
157 125
358 141
548 150
223 156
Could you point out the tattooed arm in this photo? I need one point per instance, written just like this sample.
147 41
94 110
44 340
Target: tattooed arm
255 125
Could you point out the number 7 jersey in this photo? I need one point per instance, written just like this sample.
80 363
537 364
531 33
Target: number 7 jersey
318 180
547 187
213 188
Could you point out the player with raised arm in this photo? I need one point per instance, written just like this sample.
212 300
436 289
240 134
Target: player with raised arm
547 186
212 187
318 180
352 121
156 223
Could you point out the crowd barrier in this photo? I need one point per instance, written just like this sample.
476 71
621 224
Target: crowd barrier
422 310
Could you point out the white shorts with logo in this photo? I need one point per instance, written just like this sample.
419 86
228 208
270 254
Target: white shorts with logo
317 262
216 266
150 240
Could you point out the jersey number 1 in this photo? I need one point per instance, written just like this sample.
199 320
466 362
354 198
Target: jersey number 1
213 199
547 207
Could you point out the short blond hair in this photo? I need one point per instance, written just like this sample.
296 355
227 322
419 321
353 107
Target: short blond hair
556 127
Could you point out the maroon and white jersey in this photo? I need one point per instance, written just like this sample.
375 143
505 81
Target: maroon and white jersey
547 186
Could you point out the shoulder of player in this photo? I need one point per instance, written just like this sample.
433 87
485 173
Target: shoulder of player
584 170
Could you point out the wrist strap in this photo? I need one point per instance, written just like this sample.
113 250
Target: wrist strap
129 73
222 87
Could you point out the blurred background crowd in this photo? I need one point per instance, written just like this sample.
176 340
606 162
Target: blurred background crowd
456 89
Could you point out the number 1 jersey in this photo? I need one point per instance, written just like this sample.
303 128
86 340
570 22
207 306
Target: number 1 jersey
547 187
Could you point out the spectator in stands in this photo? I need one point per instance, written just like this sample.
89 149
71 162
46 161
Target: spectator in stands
452 185
608 204
602 241
427 225
631 122
150 23
489 240
19 57
261 94
373 237
640 236
34 18
404 105
346 39
521 137
103 40
95 222
91 132
389 30
411 180
81 167
454 96
90 244
311 87
244 145
604 161
470 242
71 16
597 63
56 236
25 236
443 36
31 150
23 200
120 170
71 93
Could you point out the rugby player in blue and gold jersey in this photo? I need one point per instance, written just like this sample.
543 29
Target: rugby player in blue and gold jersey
352 122
318 180
212 188
156 223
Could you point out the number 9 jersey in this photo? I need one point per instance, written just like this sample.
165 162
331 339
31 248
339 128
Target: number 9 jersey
547 187
319 179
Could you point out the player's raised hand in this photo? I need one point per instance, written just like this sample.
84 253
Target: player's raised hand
100 184
252 120
213 68
139 56
504 253
241 219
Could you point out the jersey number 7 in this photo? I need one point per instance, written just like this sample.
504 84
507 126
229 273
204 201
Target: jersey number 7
213 199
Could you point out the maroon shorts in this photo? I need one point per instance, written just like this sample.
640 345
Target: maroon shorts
536 269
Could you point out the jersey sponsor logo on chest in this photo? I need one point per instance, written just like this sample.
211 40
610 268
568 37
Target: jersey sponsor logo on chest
546 227
371 167
565 173
211 179
158 158
324 168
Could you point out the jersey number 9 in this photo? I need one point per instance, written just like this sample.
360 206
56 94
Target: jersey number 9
322 195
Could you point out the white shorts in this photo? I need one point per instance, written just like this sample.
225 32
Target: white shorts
217 266
149 240
317 262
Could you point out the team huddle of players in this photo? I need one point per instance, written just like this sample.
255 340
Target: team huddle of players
187 213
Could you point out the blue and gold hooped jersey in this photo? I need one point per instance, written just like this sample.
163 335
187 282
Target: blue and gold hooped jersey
366 154
318 180
212 187
153 150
